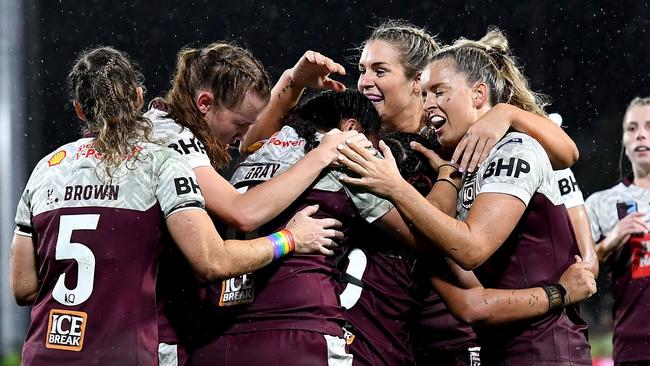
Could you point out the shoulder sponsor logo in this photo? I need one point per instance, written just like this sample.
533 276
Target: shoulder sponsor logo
237 290
568 185
91 192
288 143
186 185
514 167
66 330
57 158
186 146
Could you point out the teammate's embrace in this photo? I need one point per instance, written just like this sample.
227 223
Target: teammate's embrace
91 223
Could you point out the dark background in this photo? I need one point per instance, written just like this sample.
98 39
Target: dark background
590 57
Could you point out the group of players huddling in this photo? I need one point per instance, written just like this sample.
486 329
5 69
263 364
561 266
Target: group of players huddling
427 218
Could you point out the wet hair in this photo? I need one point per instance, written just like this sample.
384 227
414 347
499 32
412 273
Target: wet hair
626 168
489 60
104 82
415 45
228 72
413 166
326 111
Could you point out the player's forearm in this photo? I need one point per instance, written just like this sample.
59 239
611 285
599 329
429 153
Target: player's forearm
582 230
451 236
263 202
443 196
605 248
559 147
284 96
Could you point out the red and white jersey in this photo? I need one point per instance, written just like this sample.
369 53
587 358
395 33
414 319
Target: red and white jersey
97 242
540 248
630 270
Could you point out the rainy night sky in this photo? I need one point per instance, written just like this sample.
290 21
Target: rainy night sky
590 58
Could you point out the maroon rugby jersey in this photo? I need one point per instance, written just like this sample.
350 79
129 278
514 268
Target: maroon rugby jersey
298 291
629 267
98 244
380 298
536 253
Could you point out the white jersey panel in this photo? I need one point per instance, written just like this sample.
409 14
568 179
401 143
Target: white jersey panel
282 151
517 166
169 133
569 188
73 176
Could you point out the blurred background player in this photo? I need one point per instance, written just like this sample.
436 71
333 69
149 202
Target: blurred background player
620 227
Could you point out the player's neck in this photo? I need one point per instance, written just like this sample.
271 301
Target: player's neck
642 177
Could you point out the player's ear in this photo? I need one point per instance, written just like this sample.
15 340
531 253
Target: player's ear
79 110
204 101
350 124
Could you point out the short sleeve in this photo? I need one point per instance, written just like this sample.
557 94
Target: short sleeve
177 187
591 203
24 214
569 188
515 168
369 206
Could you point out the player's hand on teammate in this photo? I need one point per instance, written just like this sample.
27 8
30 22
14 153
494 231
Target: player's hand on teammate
313 71
314 236
332 139
434 159
380 176
481 137
579 282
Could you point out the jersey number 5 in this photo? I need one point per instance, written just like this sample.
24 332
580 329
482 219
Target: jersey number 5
81 254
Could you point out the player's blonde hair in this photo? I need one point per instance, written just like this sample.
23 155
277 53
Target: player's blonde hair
226 70
489 60
104 82
415 45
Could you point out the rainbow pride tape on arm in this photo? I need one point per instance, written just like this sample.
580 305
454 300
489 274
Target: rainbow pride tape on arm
282 242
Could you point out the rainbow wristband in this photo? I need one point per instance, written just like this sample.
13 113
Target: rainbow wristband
282 242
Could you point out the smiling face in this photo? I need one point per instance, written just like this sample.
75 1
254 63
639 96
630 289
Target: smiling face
449 101
230 125
383 81
636 134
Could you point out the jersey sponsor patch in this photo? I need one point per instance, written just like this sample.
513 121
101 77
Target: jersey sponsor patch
187 146
66 330
568 185
469 191
57 158
512 167
237 290
185 185
640 248
286 143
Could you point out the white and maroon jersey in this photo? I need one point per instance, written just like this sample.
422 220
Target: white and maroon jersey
299 291
97 242
569 188
541 246
169 133
630 269
178 290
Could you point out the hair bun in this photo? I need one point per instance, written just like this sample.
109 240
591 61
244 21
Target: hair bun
495 41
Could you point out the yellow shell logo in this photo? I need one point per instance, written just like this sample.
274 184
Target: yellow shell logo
56 158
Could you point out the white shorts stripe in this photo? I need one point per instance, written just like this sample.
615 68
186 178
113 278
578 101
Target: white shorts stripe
336 354
167 354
